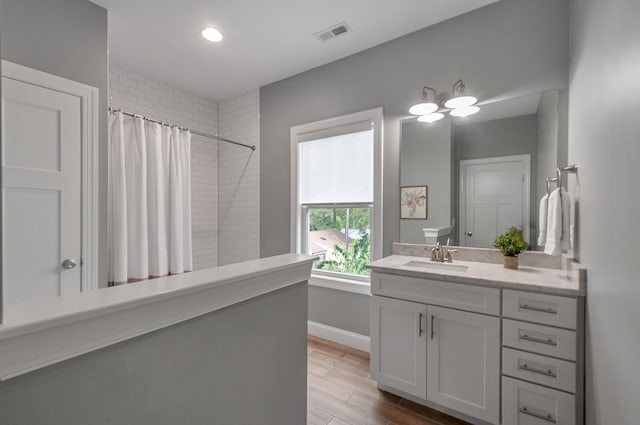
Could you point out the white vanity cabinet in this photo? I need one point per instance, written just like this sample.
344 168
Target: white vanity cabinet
433 349
542 359
487 354
463 362
400 345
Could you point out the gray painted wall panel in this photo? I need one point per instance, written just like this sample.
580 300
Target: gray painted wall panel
425 159
245 364
603 140
67 38
503 137
501 50
342 310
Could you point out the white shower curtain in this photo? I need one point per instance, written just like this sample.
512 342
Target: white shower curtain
149 200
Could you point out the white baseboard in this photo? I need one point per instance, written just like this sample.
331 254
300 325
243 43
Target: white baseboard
340 336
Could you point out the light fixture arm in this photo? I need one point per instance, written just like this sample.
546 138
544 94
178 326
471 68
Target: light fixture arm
424 95
457 104
458 88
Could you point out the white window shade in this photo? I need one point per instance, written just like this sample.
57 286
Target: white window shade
337 169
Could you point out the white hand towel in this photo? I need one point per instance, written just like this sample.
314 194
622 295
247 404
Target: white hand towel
542 220
558 232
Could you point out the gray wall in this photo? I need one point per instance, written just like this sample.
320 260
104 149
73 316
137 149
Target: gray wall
337 308
1 162
67 38
425 159
547 151
245 364
548 147
563 127
502 137
501 50
604 132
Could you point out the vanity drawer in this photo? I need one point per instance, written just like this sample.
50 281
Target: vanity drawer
529 404
473 298
540 308
539 339
556 373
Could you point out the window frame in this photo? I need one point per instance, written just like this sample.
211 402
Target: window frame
344 124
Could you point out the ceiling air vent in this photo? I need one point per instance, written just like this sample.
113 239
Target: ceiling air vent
333 31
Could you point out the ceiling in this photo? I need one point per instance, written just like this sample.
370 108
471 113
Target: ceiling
264 41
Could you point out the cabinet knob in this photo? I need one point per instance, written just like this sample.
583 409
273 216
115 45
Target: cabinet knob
469 234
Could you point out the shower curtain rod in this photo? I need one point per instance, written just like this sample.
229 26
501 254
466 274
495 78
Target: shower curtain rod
199 133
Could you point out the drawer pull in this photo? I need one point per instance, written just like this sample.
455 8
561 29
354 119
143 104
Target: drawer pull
528 368
539 309
549 341
547 417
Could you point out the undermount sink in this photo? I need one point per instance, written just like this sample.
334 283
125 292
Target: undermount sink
437 266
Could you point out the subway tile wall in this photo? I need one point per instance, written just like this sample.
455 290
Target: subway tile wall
239 177
134 92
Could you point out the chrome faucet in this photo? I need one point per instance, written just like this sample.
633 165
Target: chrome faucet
438 253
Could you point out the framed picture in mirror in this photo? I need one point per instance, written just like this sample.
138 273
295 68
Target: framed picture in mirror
413 202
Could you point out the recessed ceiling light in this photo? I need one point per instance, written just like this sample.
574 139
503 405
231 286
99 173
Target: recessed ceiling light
212 34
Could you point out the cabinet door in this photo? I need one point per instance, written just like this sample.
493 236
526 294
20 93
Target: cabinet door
399 345
463 362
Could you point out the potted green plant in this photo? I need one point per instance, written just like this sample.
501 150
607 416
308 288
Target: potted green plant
511 243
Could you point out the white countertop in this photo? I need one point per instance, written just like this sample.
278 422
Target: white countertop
553 281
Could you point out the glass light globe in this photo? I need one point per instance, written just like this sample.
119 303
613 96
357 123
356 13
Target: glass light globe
423 108
460 102
464 111
431 117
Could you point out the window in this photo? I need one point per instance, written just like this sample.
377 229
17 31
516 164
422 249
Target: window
336 196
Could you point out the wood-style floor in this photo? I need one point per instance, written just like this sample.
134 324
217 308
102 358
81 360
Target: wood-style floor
341 393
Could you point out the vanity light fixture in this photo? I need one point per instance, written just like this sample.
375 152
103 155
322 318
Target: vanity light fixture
426 104
212 34
431 107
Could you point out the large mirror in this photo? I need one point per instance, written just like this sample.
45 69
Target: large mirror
485 172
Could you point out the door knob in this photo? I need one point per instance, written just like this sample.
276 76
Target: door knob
469 234
69 264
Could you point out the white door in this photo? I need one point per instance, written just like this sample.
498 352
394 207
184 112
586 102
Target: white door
494 195
399 345
41 189
463 362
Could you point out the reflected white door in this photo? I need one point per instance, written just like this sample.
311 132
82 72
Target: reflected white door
41 189
494 195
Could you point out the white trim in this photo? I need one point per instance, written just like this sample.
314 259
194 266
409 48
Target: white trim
526 161
340 336
89 139
43 333
376 117
340 284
